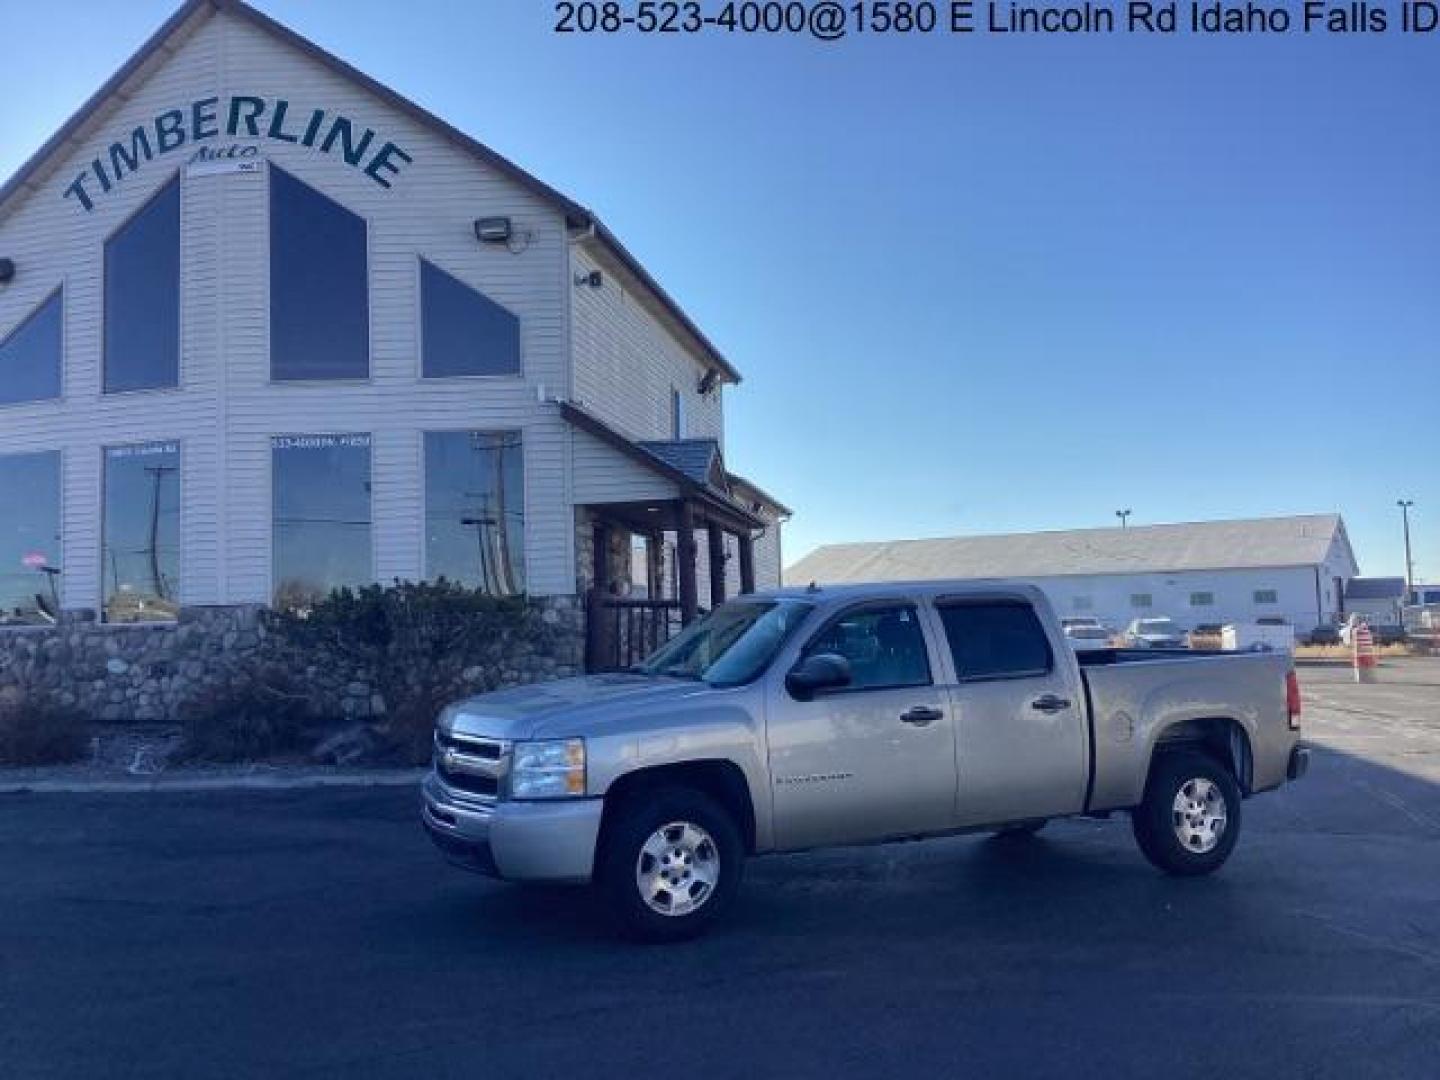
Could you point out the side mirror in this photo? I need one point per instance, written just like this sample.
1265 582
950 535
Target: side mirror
823 671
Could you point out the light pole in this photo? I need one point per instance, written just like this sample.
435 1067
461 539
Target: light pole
1405 505
1124 516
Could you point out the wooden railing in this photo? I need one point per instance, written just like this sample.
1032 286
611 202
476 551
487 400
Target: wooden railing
620 633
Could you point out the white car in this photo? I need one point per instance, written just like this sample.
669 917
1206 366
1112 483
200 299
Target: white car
1156 633
1085 638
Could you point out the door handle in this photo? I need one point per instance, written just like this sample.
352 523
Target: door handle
1049 703
921 716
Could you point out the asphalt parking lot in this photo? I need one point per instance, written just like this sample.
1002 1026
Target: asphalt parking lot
317 934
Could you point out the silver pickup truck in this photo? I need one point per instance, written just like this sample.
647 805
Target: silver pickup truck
801 718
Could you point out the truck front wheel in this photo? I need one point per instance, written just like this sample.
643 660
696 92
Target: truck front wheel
1190 818
669 864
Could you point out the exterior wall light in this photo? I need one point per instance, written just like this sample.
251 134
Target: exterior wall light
493 230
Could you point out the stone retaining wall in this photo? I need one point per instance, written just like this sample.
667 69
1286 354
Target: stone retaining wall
148 673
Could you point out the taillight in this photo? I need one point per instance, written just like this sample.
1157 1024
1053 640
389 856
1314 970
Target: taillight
1292 699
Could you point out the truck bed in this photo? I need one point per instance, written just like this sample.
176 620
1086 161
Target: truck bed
1101 657
1133 695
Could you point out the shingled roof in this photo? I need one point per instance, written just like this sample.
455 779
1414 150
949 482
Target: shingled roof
1207 545
1375 588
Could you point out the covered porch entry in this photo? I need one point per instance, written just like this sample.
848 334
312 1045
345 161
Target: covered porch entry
649 563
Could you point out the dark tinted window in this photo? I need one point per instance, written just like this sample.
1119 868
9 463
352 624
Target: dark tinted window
885 647
319 306
30 356
142 297
321 507
29 538
142 532
464 332
475 509
998 640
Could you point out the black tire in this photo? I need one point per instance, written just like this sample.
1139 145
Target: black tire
1021 830
1158 825
636 822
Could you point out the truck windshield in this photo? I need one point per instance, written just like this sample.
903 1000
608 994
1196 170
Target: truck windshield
731 645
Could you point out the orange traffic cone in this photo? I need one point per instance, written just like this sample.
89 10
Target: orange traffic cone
1366 659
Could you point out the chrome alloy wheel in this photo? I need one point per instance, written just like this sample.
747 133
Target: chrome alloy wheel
1199 815
677 869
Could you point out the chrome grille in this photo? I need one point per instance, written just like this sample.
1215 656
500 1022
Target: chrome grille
471 764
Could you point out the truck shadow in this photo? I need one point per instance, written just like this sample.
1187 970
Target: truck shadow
1312 848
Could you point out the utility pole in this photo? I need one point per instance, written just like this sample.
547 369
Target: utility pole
1124 516
1405 505
480 524
157 472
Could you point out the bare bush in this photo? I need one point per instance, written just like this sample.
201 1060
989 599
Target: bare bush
32 734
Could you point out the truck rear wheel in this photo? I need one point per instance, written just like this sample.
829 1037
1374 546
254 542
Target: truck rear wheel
669 864
1190 818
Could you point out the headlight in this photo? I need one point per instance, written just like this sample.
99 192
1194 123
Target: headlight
553 769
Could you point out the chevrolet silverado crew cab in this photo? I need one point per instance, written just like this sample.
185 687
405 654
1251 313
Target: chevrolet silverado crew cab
798 719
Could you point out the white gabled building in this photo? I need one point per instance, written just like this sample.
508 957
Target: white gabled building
1197 573
268 328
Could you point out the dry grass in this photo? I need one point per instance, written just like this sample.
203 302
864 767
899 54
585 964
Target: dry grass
1343 652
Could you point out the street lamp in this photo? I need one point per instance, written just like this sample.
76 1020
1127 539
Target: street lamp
1405 505
1124 516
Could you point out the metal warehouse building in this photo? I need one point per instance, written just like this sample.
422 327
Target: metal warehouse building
267 328
1205 572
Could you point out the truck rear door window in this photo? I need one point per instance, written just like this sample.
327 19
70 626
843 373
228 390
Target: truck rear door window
1000 639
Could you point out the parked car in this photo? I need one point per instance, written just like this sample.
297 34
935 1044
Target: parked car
1324 635
1390 634
1155 633
1381 634
1078 620
1086 638
1268 633
799 719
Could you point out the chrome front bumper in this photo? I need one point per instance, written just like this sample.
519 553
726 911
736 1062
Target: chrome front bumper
521 841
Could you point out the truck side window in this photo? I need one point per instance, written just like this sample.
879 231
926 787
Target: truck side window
885 647
996 639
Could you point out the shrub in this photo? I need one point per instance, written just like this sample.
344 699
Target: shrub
41 735
414 641
251 719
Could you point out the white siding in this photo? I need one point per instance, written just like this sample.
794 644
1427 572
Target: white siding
627 362
605 475
767 558
1109 596
226 408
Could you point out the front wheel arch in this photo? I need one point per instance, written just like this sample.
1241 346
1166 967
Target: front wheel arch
719 778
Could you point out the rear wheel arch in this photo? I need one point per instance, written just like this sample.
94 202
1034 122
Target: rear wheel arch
719 778
1221 737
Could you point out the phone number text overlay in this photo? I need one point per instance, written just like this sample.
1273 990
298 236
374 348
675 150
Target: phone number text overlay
831 20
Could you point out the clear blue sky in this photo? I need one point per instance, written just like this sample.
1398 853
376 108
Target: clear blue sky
975 285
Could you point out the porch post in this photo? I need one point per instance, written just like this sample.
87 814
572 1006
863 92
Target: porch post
600 572
685 557
717 563
747 563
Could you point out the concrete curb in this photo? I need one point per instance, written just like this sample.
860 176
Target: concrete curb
182 783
